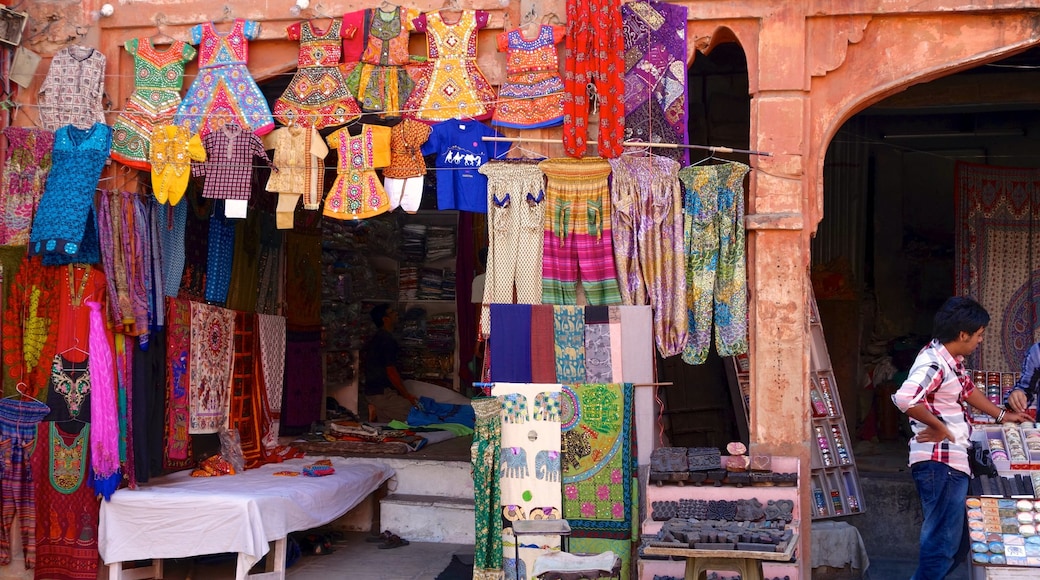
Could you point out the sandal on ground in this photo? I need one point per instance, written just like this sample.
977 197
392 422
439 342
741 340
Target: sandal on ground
380 538
393 541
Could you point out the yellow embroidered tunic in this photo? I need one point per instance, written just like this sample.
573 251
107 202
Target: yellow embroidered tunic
171 152
357 192
299 154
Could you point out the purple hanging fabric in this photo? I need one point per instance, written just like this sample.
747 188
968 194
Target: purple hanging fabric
655 75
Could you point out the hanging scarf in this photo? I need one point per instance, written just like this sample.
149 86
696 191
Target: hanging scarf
104 437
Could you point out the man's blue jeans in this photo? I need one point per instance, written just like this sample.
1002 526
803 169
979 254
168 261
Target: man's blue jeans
943 491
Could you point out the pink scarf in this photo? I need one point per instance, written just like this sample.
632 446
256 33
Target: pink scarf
104 432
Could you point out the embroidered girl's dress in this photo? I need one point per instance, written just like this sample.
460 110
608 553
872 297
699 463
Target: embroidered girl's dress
66 507
158 78
64 229
72 91
224 90
24 175
532 95
357 193
317 95
451 86
381 82
171 152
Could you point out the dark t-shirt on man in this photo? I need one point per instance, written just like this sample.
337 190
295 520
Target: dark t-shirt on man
380 352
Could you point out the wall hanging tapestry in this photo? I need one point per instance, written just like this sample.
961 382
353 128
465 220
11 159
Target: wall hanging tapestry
530 468
212 349
998 224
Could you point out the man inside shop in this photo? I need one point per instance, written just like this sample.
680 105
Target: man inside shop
387 398
933 396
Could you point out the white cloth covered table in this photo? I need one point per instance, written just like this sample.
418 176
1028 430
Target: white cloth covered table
178 516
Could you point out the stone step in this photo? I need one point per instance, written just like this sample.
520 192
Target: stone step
428 518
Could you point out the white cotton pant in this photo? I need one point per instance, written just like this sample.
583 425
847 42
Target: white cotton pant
516 211
404 193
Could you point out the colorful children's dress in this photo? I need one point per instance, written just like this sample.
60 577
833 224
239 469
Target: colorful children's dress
64 230
317 96
158 78
403 178
381 82
171 152
451 86
224 90
299 153
357 193
532 95
72 90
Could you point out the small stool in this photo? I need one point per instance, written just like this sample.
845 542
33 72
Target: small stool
560 528
749 568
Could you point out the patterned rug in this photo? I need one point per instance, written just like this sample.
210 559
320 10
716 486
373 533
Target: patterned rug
998 228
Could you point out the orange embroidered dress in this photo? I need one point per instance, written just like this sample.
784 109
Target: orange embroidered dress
317 95
357 192
451 85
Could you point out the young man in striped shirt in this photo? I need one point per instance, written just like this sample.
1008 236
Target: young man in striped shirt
933 396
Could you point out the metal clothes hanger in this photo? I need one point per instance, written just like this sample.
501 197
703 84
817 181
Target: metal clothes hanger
160 37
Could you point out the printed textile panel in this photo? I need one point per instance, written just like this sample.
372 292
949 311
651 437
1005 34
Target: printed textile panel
212 350
998 226
597 459
530 468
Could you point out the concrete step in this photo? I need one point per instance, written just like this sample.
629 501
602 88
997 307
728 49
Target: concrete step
428 518
449 479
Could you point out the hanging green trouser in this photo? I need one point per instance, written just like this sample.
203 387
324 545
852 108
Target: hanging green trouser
487 494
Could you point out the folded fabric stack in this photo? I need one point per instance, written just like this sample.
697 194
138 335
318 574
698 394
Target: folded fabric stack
414 247
440 243
319 468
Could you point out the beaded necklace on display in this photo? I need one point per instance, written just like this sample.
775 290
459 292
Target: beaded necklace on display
76 296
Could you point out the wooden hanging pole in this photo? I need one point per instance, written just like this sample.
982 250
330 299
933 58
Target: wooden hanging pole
712 148
669 384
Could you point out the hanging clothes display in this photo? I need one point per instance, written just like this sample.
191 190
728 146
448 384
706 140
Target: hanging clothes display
126 257
485 455
11 259
24 175
224 90
299 153
451 86
177 447
716 274
655 75
352 31
72 91
220 258
532 96
18 420
381 83
212 349
170 154
158 79
577 235
516 211
460 152
66 506
228 169
357 192
317 95
403 178
64 229
30 320
596 51
647 232
170 222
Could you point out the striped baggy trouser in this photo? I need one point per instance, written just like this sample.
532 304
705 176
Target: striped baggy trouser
716 273
18 421
516 210
577 233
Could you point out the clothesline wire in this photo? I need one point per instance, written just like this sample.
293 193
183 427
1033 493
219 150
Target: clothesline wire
713 148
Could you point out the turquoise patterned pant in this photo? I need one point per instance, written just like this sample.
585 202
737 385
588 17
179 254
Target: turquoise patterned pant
716 274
